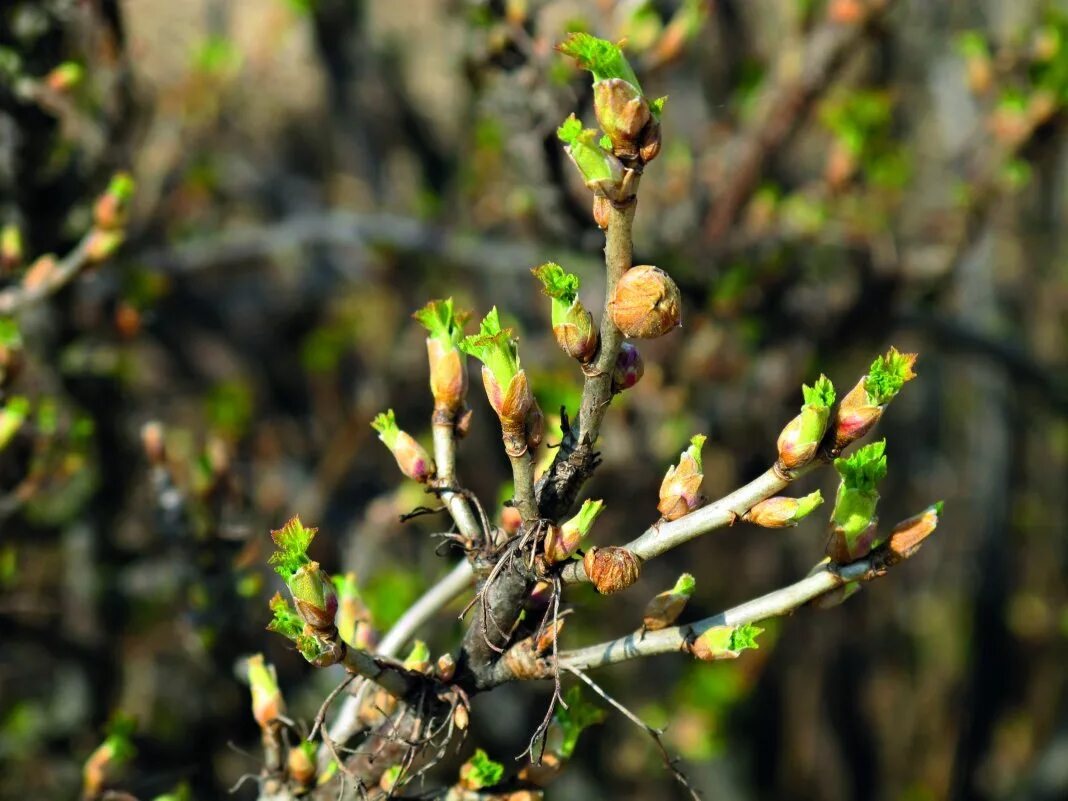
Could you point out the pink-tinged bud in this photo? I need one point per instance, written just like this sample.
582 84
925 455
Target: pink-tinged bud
622 112
665 608
629 368
153 443
844 548
112 207
412 458
448 368
541 594
517 409
562 541
267 702
611 569
783 512
800 439
545 640
511 520
680 491
301 764
313 596
909 535
601 211
862 407
11 252
725 642
646 303
65 77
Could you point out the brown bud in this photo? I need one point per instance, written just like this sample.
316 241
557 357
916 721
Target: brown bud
622 113
40 272
646 303
650 148
843 549
548 636
909 535
543 774
461 717
611 569
601 209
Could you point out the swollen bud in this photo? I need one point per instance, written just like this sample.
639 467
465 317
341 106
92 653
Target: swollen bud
725 642
801 437
572 324
506 384
646 303
112 207
680 491
611 569
267 702
65 77
312 590
853 521
448 368
629 368
862 407
622 113
562 541
783 512
101 245
909 535
301 763
665 608
601 171
412 458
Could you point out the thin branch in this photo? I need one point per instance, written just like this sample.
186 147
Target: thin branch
676 638
451 586
575 459
663 536
445 461
17 297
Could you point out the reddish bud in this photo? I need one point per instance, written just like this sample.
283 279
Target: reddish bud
629 368
611 569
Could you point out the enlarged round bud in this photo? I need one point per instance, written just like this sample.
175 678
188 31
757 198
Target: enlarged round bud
856 416
629 368
646 303
576 334
313 596
461 717
622 113
611 569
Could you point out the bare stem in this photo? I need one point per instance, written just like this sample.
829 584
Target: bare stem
445 461
523 478
673 639
17 297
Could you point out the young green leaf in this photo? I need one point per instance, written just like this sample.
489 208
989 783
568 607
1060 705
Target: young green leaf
598 56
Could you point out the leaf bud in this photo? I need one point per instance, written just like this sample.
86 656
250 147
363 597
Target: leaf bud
629 368
611 569
64 77
725 642
446 667
665 607
680 491
562 541
572 324
112 207
11 249
862 407
448 368
101 245
601 210
853 520
601 171
650 141
267 702
622 113
353 617
645 303
801 437
908 535
314 596
783 512
412 458
418 659
301 763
